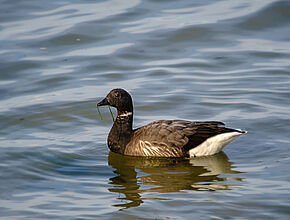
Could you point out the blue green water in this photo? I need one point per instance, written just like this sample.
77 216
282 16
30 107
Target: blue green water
194 60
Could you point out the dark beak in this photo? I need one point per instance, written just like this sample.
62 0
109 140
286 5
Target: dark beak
103 102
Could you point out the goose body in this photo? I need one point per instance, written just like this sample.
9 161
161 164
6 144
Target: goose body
163 138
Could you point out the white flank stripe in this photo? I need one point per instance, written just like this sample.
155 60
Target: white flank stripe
214 144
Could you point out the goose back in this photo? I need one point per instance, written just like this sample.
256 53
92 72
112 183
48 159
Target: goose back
171 138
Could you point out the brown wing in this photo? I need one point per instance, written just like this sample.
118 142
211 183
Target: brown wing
169 138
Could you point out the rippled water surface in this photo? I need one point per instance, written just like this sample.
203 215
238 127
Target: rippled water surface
196 60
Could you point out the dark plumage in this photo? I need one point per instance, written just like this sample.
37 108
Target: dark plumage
164 138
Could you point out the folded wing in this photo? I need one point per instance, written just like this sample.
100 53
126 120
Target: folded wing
172 138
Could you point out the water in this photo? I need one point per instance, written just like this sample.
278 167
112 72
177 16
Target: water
195 60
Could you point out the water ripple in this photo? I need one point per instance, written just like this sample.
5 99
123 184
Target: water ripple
52 22
221 60
197 15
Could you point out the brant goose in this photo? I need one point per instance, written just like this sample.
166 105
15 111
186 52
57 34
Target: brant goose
164 138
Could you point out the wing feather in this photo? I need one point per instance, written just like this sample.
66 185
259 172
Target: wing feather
170 138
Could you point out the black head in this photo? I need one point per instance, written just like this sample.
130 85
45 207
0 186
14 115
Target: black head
118 98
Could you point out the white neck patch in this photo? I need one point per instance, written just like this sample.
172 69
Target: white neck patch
125 114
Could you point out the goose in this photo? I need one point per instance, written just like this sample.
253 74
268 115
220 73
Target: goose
163 138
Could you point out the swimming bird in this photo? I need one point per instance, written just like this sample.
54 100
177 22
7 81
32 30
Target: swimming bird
163 138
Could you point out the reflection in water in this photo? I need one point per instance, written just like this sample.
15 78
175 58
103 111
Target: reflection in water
137 175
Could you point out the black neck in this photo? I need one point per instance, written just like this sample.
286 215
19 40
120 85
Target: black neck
121 132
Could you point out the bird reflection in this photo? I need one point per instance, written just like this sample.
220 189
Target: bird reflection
136 176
